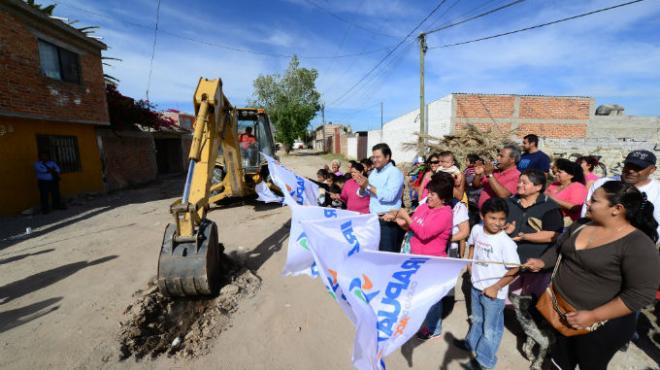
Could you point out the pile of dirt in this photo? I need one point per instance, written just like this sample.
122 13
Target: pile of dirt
158 324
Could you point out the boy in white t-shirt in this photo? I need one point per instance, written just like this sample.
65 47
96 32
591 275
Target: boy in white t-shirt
488 242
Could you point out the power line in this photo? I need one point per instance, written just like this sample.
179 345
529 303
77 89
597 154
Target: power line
356 25
219 45
475 17
389 53
153 49
536 26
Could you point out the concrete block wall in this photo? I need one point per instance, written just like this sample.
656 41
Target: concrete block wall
352 147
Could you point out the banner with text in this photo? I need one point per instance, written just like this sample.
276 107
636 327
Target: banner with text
299 259
296 189
386 295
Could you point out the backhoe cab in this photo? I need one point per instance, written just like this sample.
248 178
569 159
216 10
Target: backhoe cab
223 163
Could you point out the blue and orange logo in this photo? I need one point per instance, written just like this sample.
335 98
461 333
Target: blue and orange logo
360 287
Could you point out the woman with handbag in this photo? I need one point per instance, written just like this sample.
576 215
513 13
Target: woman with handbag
605 270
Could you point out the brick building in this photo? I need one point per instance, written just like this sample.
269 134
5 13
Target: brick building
52 97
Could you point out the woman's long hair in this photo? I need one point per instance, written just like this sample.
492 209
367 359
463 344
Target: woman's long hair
639 210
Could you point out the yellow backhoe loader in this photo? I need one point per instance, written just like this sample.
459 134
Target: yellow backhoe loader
225 161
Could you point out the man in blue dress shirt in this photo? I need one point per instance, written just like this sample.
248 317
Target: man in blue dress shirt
384 186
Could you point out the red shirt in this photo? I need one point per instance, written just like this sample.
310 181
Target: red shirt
353 201
508 178
432 230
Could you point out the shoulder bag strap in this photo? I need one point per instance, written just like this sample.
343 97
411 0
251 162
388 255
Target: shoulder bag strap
554 272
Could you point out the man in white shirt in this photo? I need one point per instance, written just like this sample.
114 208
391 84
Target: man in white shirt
638 167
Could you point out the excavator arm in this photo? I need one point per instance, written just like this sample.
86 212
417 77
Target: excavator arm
189 260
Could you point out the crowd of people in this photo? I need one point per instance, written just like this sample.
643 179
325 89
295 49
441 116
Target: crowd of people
532 227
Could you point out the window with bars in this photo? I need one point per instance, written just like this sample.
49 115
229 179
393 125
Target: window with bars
59 63
62 149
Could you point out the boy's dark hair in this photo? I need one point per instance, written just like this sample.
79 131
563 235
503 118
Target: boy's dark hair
334 188
322 173
352 163
532 139
536 177
330 176
442 184
367 162
473 157
494 205
384 148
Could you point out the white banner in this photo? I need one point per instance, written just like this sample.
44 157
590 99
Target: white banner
266 195
299 259
296 189
386 295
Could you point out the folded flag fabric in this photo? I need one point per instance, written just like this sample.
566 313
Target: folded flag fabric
296 189
266 195
300 260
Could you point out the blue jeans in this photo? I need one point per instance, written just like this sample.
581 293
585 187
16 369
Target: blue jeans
433 320
487 328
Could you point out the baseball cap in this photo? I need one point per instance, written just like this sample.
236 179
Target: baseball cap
641 158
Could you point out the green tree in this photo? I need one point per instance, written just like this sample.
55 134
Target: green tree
290 100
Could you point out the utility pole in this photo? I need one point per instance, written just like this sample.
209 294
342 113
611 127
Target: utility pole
422 116
323 114
381 116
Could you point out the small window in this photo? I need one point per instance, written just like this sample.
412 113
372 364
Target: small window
58 63
63 150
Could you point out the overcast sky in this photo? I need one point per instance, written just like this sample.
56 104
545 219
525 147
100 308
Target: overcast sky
613 56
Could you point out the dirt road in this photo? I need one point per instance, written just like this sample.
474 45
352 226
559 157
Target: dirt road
64 290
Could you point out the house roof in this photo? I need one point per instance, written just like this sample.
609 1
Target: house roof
43 18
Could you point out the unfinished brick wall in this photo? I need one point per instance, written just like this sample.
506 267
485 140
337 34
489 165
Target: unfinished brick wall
129 158
25 90
545 116
484 106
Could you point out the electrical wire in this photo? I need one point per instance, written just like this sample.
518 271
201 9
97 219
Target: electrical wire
475 17
356 25
536 26
389 53
219 45
153 49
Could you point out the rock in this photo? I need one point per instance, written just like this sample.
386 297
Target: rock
229 289
176 342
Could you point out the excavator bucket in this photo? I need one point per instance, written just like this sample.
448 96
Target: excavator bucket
190 267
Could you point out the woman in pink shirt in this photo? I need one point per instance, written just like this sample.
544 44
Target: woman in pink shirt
431 223
588 163
349 195
432 165
568 190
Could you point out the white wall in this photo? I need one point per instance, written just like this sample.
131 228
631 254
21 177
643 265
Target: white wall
352 147
373 137
401 129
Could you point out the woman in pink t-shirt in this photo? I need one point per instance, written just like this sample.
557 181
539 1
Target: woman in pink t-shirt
568 190
431 223
588 163
432 165
349 195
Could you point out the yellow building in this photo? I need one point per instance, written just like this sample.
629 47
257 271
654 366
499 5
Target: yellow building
52 98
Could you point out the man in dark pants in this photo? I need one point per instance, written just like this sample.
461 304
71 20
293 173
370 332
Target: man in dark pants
48 177
384 186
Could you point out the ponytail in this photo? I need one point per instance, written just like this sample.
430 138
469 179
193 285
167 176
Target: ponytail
639 210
